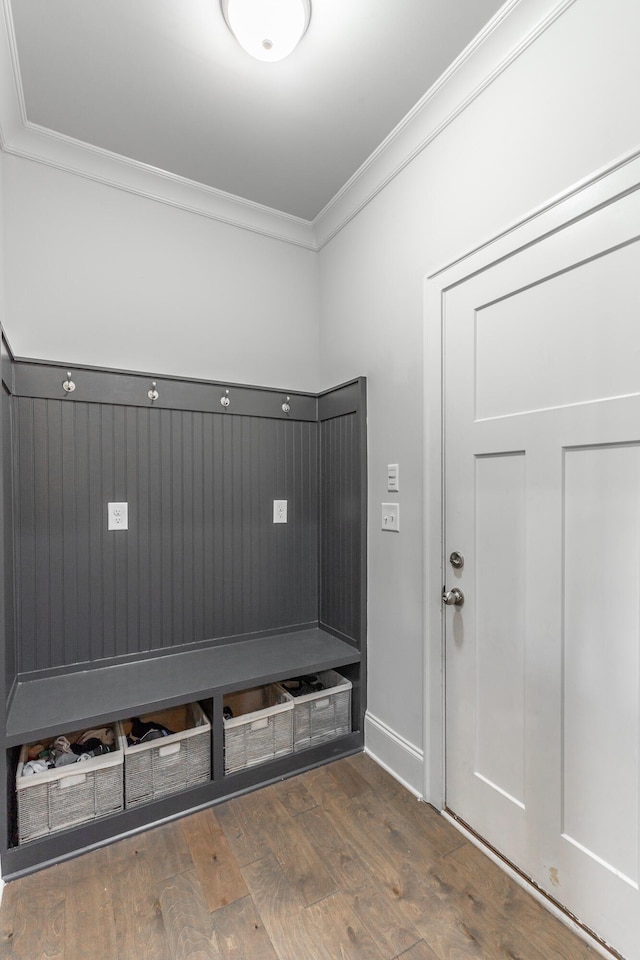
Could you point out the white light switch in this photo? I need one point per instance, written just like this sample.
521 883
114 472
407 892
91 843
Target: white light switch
118 516
391 516
279 511
393 477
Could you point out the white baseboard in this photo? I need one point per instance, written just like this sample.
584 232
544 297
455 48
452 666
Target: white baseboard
402 759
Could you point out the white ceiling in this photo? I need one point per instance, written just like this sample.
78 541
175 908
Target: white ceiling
163 82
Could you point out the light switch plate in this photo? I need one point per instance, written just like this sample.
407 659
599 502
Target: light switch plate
117 516
391 516
393 478
279 511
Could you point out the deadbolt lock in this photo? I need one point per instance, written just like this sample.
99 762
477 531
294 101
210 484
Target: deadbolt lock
456 560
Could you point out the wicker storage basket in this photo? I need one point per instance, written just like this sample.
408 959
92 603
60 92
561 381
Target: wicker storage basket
322 715
261 727
66 796
170 763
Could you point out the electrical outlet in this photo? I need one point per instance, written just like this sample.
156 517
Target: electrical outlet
118 516
391 516
279 511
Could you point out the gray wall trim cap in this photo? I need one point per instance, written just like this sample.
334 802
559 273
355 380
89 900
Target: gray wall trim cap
347 398
90 385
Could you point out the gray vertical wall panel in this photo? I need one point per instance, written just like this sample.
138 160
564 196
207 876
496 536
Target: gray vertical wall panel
164 522
263 482
70 535
151 537
81 507
228 559
202 558
8 537
140 485
109 558
25 615
176 515
56 517
250 520
197 537
96 498
278 572
133 464
119 539
42 563
208 512
234 519
341 525
218 573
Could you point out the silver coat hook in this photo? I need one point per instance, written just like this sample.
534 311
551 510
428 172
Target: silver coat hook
68 384
153 393
286 406
225 400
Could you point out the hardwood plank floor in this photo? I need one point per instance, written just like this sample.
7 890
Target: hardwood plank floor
339 863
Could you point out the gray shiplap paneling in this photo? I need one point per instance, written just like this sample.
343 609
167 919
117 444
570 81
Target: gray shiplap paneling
202 558
341 525
6 535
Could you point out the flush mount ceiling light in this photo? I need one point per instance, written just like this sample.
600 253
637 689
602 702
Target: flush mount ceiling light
267 29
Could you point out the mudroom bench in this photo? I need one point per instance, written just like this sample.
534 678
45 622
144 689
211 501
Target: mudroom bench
43 707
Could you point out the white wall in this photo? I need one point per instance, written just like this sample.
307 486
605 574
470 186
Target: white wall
100 276
2 313
567 106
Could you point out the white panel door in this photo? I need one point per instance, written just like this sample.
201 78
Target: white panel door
542 499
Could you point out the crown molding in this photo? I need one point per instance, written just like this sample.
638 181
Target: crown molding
94 163
508 34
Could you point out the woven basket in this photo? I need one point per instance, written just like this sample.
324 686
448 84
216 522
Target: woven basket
66 796
323 715
261 728
169 764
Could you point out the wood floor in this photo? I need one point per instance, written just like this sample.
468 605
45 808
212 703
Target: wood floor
339 863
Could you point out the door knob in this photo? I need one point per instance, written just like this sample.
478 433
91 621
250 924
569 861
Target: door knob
453 598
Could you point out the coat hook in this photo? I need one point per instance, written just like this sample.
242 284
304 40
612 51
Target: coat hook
286 406
225 399
153 393
68 384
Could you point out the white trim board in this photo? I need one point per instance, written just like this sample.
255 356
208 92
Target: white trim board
402 759
508 34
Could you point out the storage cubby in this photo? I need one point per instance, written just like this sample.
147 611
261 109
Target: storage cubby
201 598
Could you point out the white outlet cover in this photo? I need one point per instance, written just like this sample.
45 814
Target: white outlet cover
117 516
279 511
391 516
